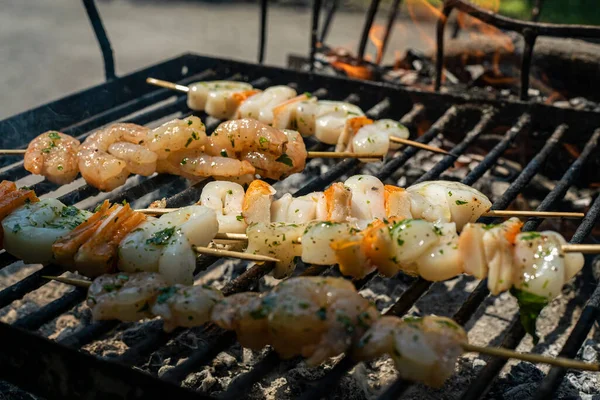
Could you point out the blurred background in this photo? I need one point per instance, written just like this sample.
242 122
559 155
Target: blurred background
48 49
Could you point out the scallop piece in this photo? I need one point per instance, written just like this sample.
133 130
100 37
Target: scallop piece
226 199
331 118
472 251
413 238
199 92
257 202
317 239
367 197
498 244
261 105
442 261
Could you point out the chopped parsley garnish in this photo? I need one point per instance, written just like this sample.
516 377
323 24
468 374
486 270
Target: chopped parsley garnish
266 305
69 211
165 294
447 323
123 277
530 236
16 228
239 217
111 288
224 153
285 159
54 135
308 94
263 141
189 122
449 193
60 168
322 313
161 237
438 231
461 202
489 226
195 136
188 142
184 161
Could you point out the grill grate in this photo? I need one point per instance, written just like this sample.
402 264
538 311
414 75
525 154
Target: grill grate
58 370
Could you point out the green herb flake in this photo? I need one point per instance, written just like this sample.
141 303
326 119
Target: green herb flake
60 168
530 306
263 141
239 217
16 228
189 122
285 159
461 202
161 237
54 135
224 153
266 305
46 150
308 94
123 277
449 193
449 324
530 236
437 230
165 294
322 313
184 161
489 226
188 142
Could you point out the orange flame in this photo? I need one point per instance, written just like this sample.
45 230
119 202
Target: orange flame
416 9
353 71
376 34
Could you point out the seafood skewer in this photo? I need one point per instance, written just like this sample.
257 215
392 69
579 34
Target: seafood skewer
314 317
237 149
331 122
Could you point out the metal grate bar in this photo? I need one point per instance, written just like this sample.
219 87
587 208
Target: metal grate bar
103 42
483 381
490 159
486 118
370 17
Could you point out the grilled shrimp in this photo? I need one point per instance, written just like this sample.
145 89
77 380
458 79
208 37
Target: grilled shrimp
279 240
175 135
219 99
274 166
260 106
241 136
54 155
423 349
39 224
193 164
185 306
226 199
445 201
367 197
315 317
165 244
257 202
98 157
126 297
541 267
297 114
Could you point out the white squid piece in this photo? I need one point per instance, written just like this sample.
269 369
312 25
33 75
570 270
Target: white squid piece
279 240
329 119
226 199
165 244
40 225
260 106
301 209
442 261
317 240
298 114
446 201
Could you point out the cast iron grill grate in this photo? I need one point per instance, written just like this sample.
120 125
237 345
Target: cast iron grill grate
58 370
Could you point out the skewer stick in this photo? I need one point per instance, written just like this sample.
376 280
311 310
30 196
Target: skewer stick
344 154
167 85
538 214
423 146
233 254
231 236
70 281
491 213
581 248
469 348
7 152
530 357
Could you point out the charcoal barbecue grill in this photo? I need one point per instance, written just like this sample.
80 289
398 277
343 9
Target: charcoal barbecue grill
60 370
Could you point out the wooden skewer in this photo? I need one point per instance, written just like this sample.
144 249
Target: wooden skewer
530 357
70 281
469 348
167 85
7 152
344 154
538 214
233 254
231 236
581 248
423 146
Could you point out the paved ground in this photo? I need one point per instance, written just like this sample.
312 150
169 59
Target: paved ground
47 48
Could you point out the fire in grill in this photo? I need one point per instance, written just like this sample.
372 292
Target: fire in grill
531 141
